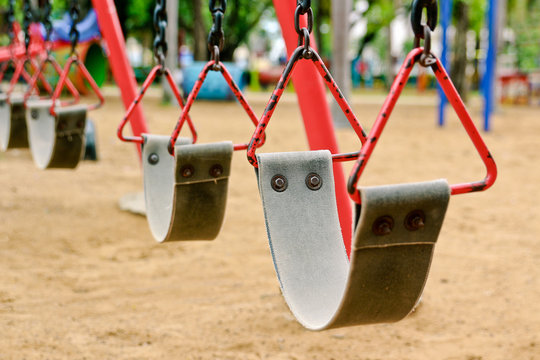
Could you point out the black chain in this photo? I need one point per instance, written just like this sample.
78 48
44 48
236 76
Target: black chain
11 20
74 14
27 20
303 8
417 9
216 37
423 31
47 19
160 27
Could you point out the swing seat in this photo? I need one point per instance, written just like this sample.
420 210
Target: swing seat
13 133
185 195
392 248
56 141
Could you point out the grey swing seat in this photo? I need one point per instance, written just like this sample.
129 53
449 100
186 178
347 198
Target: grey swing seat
13 132
185 195
56 141
392 247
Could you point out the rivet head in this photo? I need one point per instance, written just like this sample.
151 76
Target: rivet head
415 220
313 181
187 171
34 114
279 183
216 170
383 225
153 159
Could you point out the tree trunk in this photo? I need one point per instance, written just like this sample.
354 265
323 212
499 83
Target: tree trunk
200 48
459 63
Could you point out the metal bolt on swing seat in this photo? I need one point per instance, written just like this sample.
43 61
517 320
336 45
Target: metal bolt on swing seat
279 183
216 170
415 220
313 181
187 171
34 114
383 225
153 159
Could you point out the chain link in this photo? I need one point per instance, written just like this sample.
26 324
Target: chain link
27 20
74 14
216 37
417 8
11 20
304 8
160 27
47 20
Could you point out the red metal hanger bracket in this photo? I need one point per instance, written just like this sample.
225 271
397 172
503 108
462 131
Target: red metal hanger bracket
421 55
305 52
213 65
149 80
75 61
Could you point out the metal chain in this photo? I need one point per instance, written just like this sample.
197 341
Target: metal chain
27 20
47 20
417 9
11 20
216 37
160 27
303 8
423 31
74 14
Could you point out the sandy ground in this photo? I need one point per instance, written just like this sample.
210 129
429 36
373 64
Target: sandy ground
80 279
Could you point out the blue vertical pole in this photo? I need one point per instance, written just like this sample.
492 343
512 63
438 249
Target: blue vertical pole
488 81
446 17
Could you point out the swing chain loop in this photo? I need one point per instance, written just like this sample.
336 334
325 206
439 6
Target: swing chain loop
426 59
47 22
303 8
11 20
216 37
27 20
417 8
213 7
74 14
160 27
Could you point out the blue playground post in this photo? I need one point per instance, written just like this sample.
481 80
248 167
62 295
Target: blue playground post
446 17
488 81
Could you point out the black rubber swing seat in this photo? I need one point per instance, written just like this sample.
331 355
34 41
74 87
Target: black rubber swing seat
13 132
392 247
56 141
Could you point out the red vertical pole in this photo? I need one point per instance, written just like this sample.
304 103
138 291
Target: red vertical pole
311 93
124 76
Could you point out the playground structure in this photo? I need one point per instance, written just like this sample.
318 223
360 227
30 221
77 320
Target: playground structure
297 176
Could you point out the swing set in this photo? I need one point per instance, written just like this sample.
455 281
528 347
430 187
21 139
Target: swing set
53 128
377 271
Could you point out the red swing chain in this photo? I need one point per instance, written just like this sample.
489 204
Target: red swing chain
304 52
160 52
74 60
426 59
215 44
49 59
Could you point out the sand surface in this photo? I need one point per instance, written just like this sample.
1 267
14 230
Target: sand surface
80 279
